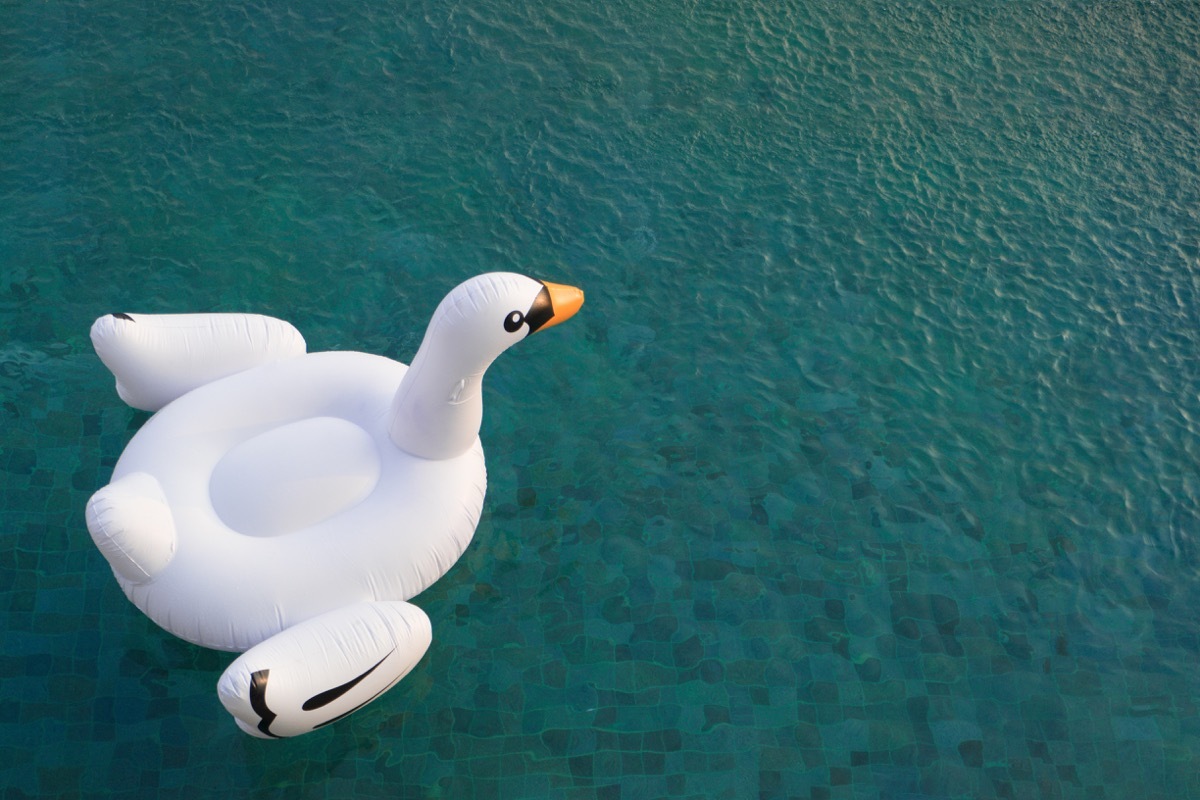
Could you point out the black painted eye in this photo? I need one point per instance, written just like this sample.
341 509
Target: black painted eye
514 321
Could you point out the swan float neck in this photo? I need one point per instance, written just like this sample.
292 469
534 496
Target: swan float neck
438 407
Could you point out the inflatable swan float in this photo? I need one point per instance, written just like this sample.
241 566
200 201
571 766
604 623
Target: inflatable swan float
286 505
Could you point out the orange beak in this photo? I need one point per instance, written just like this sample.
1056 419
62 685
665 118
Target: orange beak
565 301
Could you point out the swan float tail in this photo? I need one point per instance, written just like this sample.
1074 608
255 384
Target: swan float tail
158 357
323 669
131 524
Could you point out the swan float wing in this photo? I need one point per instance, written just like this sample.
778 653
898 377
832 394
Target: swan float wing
158 357
326 668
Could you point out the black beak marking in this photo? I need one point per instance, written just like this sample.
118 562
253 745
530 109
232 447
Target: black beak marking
541 312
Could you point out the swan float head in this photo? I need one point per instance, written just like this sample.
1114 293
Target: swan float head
287 505
437 409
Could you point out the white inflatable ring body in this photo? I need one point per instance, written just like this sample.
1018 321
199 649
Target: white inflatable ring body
366 522
289 504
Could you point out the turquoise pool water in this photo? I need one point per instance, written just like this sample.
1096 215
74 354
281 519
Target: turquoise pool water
869 469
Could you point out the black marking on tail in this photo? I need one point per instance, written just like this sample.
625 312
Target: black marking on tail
119 315
258 701
345 714
329 695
